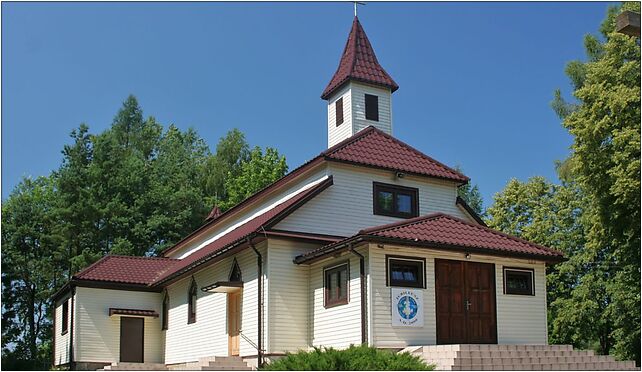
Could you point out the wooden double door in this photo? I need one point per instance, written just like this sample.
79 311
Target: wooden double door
466 311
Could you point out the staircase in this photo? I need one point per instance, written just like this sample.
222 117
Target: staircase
515 357
229 363
127 366
204 364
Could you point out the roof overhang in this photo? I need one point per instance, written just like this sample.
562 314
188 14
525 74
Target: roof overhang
132 312
364 238
223 287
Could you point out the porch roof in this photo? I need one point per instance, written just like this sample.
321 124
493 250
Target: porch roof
441 231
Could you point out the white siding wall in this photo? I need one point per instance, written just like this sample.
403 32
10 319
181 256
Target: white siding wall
354 111
98 334
346 207
61 342
289 297
358 92
257 206
336 133
208 336
338 326
520 319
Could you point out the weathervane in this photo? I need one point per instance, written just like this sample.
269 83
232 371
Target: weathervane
355 6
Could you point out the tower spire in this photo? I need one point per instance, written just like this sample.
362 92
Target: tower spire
359 63
359 94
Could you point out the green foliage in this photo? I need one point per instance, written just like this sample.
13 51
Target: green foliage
594 215
605 163
254 174
30 272
133 189
472 196
354 358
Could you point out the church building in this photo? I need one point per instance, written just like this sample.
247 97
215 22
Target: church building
366 243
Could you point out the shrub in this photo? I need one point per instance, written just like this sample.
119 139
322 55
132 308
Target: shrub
354 358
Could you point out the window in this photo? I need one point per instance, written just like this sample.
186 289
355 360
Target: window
372 107
235 273
406 272
339 111
165 311
519 281
336 285
395 201
65 317
191 303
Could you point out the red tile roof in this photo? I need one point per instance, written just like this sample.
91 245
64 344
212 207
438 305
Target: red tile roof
239 234
126 269
153 270
378 150
443 231
359 63
372 147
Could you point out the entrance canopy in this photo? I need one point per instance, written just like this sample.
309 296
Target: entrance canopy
132 312
223 287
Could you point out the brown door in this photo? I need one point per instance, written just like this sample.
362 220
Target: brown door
131 339
465 302
233 321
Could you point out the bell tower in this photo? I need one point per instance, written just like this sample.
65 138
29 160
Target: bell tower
360 92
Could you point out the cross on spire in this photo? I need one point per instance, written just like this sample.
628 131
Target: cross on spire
355 6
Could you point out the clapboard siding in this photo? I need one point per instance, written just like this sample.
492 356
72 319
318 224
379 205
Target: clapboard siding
61 342
208 336
338 326
200 240
288 297
98 334
520 319
358 92
336 133
347 206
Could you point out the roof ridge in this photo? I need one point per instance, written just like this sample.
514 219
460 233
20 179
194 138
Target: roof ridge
142 257
91 267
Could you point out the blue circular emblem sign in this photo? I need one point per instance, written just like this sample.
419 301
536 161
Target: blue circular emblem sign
407 307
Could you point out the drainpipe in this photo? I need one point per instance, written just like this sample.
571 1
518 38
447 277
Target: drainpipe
362 280
259 269
71 331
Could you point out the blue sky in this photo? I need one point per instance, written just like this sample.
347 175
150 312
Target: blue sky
476 79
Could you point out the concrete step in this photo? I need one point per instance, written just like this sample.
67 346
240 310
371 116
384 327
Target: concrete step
515 357
600 366
127 366
506 354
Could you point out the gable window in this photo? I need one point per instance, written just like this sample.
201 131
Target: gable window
372 107
235 273
65 317
395 201
336 285
519 281
338 105
165 311
191 303
405 272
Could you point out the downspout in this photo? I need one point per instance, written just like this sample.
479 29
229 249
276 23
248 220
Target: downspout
362 280
71 331
259 269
